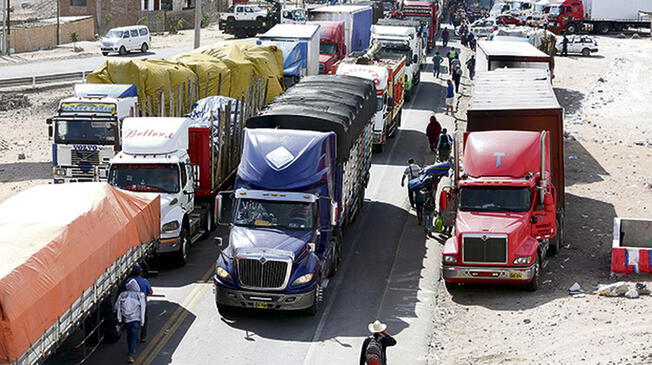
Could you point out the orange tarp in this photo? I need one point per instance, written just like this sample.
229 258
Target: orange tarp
55 242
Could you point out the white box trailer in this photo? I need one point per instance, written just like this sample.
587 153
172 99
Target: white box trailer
610 10
493 55
308 33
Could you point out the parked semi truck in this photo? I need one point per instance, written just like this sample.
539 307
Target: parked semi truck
404 41
304 169
388 74
243 20
184 160
357 23
64 263
332 46
427 13
295 59
86 128
494 55
600 16
305 34
509 182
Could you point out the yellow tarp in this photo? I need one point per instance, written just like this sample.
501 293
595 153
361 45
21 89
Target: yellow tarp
211 68
246 60
150 77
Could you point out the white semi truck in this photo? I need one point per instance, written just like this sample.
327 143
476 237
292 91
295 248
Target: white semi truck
86 130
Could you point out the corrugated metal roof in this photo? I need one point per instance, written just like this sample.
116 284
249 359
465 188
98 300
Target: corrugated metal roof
513 89
505 48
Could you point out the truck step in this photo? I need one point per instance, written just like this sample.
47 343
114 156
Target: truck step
198 235
544 264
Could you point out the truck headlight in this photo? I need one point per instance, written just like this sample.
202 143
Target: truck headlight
223 274
170 226
450 259
303 279
58 171
523 260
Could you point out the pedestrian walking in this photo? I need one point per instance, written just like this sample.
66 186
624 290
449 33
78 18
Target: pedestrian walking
457 78
429 209
470 65
444 146
455 63
145 288
419 199
374 347
411 172
433 130
436 64
450 97
130 309
445 36
564 46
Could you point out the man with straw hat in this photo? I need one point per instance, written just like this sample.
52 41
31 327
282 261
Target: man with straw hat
374 347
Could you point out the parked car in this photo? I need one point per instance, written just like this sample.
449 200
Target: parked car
507 19
244 12
483 28
579 44
126 39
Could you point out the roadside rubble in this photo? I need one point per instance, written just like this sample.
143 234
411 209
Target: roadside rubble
622 288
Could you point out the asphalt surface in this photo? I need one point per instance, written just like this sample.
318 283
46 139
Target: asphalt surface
51 67
389 272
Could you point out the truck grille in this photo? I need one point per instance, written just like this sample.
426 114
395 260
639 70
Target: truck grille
262 274
485 249
84 158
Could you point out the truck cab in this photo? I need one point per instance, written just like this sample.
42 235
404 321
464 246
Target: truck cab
506 215
427 13
565 15
332 46
404 41
155 159
86 130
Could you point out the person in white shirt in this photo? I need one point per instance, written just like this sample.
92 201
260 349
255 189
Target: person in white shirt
130 308
411 172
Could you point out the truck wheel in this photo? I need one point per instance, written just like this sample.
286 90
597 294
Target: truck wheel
252 33
604 28
240 33
397 123
451 287
533 285
122 51
337 255
260 19
571 28
181 257
586 52
230 19
312 310
555 244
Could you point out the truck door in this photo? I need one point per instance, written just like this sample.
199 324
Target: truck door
239 12
545 217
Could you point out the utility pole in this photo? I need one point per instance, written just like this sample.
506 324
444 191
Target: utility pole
8 26
98 16
58 25
197 22
3 45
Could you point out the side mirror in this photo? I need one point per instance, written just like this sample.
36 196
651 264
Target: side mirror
50 128
195 175
334 213
224 207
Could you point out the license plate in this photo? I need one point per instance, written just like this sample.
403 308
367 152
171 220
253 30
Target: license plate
515 275
260 305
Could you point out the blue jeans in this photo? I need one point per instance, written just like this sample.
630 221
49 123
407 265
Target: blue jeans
428 216
133 332
435 70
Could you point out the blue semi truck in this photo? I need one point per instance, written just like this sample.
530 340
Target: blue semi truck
302 176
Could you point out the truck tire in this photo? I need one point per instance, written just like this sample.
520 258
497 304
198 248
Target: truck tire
397 123
337 256
533 285
252 33
230 19
260 19
180 257
571 28
586 52
240 33
314 308
451 287
604 28
555 243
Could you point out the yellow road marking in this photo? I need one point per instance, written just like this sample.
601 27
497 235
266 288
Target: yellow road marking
188 300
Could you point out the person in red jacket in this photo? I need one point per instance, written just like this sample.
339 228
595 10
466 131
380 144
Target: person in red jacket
432 132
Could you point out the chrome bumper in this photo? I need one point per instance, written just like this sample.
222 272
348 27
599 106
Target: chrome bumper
261 300
487 273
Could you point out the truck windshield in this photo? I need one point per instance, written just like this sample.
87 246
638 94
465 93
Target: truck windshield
389 6
328 48
552 10
494 199
269 213
425 18
380 103
156 178
84 132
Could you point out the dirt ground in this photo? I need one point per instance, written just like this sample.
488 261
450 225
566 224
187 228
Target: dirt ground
606 101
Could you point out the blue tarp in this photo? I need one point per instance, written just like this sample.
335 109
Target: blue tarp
425 179
295 56
106 90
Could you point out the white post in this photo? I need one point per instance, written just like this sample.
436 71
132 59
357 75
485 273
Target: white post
3 44
197 22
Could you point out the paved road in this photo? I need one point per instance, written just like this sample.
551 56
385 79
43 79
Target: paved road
389 272
79 64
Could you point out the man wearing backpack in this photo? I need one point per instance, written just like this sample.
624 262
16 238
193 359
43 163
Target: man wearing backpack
130 309
375 346
444 146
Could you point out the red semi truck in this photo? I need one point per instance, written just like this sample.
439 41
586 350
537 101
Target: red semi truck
509 182
332 47
426 12
600 16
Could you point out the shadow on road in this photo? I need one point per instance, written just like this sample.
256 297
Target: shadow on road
580 166
570 100
23 171
401 154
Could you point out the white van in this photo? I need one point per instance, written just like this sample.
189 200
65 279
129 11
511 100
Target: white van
126 39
